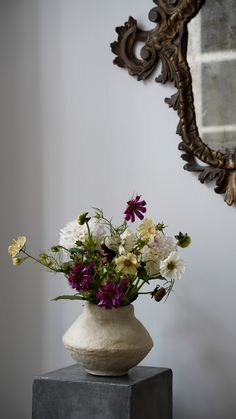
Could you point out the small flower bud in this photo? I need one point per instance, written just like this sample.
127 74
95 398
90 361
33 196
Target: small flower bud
55 249
159 294
183 240
43 256
16 261
48 263
83 218
160 226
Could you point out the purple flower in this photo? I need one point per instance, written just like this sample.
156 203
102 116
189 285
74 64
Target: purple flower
135 208
111 295
80 276
107 254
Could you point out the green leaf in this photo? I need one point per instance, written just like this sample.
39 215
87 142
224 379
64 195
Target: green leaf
68 297
142 274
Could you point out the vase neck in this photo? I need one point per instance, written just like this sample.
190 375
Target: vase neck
109 314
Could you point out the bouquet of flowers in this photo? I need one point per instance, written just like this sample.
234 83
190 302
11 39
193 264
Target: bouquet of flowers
108 265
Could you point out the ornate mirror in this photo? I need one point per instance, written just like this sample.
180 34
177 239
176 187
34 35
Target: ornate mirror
199 57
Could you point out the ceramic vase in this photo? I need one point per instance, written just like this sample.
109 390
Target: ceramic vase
107 342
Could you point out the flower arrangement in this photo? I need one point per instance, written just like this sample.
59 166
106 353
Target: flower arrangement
108 265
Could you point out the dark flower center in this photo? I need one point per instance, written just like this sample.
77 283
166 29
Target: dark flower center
171 266
127 263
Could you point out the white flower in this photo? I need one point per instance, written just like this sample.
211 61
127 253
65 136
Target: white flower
151 259
172 267
147 229
74 232
157 251
112 242
71 233
163 245
97 229
128 240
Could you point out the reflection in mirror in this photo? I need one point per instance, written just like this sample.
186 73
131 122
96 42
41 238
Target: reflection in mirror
212 59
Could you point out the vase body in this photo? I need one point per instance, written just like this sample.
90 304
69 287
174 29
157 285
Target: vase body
107 342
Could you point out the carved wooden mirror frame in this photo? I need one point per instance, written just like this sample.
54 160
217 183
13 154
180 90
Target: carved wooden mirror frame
167 43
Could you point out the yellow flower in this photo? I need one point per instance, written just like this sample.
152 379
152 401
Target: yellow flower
127 264
16 261
147 229
16 246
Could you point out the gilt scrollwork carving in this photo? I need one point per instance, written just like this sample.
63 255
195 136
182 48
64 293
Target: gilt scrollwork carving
167 43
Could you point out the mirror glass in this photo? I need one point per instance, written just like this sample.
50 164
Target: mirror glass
212 60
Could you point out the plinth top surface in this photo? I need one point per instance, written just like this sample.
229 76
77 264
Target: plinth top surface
75 373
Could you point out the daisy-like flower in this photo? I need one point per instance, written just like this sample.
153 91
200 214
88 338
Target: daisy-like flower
172 267
16 246
127 264
111 295
128 240
147 229
80 276
135 208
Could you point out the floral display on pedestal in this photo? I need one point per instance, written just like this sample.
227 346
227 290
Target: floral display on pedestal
109 267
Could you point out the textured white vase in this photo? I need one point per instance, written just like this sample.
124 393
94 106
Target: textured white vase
107 342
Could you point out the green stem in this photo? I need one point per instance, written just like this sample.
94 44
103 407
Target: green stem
38 261
89 232
145 292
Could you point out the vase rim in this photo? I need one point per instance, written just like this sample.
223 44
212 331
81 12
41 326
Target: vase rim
94 308
87 303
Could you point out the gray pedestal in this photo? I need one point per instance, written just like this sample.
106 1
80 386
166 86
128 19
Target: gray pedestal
71 393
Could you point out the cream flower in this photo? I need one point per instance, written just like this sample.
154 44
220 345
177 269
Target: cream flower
172 267
128 240
127 264
147 229
16 246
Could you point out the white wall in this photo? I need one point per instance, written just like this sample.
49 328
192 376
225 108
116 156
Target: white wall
77 132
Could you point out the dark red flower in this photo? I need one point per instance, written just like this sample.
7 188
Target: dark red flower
80 276
107 254
135 208
111 295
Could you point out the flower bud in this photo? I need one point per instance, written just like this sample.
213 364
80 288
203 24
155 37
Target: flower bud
43 256
83 218
16 261
183 240
55 249
160 226
159 294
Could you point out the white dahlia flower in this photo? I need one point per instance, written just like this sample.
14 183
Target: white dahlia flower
74 232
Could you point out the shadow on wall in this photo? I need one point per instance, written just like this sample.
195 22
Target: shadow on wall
21 204
204 361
